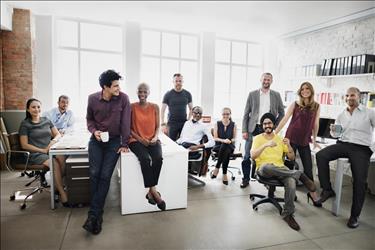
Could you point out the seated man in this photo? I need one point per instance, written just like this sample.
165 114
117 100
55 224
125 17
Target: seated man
60 116
192 134
268 151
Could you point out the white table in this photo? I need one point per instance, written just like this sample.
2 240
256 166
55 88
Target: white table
341 166
172 182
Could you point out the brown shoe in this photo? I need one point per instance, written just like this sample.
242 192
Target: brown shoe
291 222
309 184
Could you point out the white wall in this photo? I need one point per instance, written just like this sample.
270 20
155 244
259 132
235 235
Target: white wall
6 16
351 38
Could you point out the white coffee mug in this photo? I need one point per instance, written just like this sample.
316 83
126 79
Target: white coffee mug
104 136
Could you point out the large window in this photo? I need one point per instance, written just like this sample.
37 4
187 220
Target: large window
84 50
166 53
237 71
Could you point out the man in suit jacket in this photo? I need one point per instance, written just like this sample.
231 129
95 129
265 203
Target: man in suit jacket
259 102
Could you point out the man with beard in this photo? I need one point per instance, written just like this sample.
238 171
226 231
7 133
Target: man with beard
268 151
259 102
354 127
61 116
176 99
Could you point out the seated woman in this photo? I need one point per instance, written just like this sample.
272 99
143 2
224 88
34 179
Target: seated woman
35 136
224 136
144 143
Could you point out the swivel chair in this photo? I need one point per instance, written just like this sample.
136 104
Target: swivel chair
271 184
12 148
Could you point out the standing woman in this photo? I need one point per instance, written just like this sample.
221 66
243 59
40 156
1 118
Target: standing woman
37 135
224 136
305 122
144 143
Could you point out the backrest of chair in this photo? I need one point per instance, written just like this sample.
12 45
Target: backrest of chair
14 141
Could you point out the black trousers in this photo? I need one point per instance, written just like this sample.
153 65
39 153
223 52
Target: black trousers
174 129
305 154
359 158
151 160
223 155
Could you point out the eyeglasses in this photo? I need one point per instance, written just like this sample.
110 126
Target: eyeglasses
267 123
226 113
197 112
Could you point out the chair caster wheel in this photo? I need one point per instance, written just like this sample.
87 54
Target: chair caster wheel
255 208
233 178
251 198
12 197
23 206
22 174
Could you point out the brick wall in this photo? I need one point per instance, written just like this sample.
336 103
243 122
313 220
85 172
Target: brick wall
18 69
1 74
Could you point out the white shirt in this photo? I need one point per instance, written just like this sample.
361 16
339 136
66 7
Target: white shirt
62 121
358 127
193 133
264 103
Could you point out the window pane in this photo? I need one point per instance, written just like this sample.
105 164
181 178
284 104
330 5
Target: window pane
222 78
151 42
190 72
238 82
168 69
150 73
255 54
189 47
67 77
67 33
237 103
102 37
221 100
253 78
238 52
170 45
222 51
92 65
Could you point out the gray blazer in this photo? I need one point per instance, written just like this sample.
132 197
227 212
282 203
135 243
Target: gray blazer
251 113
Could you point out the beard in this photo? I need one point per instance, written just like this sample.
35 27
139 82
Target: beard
268 130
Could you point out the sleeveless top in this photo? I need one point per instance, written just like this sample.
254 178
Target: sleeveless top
225 134
143 121
300 127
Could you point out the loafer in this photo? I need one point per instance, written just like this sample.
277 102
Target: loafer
292 223
244 183
326 194
353 222
309 184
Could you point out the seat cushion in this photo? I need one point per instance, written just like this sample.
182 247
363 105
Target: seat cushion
269 181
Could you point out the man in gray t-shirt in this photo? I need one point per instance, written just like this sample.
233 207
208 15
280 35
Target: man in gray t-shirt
176 99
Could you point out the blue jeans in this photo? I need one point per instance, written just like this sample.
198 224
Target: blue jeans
103 157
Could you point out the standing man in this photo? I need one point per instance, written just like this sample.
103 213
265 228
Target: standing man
60 116
176 99
108 119
258 102
354 127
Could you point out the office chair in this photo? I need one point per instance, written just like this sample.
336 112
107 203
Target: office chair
198 157
271 184
12 148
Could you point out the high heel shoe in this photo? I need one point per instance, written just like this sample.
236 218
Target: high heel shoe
213 176
162 206
317 203
225 182
150 199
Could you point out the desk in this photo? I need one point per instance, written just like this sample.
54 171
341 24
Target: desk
172 182
70 144
341 165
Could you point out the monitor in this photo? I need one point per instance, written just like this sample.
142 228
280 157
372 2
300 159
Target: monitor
324 130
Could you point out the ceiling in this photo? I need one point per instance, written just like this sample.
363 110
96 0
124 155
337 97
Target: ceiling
258 19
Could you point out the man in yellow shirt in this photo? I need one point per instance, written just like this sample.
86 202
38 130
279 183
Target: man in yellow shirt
268 151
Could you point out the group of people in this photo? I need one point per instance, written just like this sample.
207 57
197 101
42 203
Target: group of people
136 127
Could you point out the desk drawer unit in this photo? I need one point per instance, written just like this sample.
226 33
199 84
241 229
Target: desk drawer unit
77 179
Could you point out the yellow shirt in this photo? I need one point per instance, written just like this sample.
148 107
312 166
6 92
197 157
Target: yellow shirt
270 155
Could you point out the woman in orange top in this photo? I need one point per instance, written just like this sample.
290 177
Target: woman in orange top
144 143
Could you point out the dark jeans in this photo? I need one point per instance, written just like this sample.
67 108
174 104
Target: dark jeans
359 158
223 155
246 163
174 129
305 154
103 157
151 160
